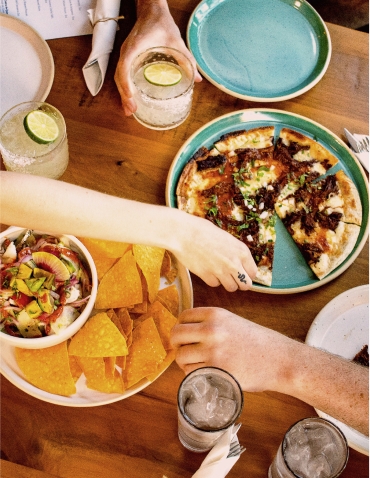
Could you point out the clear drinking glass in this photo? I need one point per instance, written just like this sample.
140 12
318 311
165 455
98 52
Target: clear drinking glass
22 154
162 107
210 400
311 448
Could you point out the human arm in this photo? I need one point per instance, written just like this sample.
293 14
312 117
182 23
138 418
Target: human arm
61 208
262 359
154 26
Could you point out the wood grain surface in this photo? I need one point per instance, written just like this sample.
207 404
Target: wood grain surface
137 437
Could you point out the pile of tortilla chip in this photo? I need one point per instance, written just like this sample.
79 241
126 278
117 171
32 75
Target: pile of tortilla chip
128 338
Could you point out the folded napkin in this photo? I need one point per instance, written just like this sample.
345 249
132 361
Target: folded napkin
364 156
104 19
216 464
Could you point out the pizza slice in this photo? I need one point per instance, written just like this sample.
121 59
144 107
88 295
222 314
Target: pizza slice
305 159
324 219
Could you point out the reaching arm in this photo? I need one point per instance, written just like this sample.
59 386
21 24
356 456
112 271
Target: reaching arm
262 359
154 27
61 208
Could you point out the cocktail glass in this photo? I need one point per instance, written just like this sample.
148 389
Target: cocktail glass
162 107
210 400
22 154
311 448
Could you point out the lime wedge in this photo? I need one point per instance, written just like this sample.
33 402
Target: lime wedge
41 127
162 74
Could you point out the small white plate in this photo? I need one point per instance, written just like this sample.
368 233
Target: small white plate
26 64
85 397
342 328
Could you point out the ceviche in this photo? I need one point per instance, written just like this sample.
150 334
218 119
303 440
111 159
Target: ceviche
44 285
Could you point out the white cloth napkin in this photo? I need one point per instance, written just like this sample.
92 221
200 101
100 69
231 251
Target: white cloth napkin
216 464
102 43
364 156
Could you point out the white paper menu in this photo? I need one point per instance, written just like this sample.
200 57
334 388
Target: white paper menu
52 18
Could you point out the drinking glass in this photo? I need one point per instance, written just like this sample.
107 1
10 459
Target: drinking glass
162 107
22 154
311 448
210 400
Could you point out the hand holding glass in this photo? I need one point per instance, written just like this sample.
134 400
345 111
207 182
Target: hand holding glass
164 80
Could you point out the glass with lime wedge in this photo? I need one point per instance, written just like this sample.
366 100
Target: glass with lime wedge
33 140
164 81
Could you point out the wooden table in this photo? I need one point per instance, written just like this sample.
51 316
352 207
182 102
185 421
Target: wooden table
137 437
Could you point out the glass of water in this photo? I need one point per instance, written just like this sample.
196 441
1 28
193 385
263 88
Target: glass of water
210 400
164 80
34 151
311 448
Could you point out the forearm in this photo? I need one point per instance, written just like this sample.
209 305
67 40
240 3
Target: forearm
329 383
62 208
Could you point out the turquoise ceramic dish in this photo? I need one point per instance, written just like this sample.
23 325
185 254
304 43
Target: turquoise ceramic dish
265 51
290 271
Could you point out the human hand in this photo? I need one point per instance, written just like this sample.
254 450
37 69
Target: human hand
154 27
210 336
211 253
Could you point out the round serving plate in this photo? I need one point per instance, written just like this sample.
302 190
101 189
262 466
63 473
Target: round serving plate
259 51
86 397
291 274
27 63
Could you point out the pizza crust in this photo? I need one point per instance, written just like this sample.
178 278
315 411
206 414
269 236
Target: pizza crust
258 138
340 251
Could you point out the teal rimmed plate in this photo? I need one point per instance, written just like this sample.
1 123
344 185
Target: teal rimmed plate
265 51
290 271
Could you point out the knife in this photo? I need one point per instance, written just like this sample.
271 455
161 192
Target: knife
352 141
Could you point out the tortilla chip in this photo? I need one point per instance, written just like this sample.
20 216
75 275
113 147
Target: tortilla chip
75 368
169 297
94 369
170 357
47 369
99 337
121 285
163 320
99 248
143 306
103 264
126 323
146 353
121 362
150 260
168 270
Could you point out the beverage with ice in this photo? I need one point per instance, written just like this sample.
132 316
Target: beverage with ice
209 401
164 91
312 448
25 152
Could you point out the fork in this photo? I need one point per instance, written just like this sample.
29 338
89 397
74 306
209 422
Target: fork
235 449
363 144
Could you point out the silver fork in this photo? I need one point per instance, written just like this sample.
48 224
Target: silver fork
363 144
235 449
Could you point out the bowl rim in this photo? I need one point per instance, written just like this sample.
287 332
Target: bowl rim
72 329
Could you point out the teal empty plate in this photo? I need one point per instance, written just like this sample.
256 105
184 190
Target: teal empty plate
290 274
265 51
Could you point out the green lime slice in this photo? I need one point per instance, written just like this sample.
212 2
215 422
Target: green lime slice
162 74
41 127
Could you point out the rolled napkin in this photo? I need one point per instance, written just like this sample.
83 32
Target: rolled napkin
216 464
364 156
104 18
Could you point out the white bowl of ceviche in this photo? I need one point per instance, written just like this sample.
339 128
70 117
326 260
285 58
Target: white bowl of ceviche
48 287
